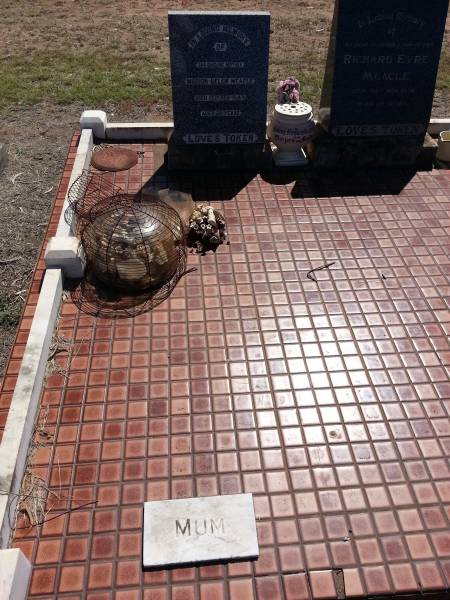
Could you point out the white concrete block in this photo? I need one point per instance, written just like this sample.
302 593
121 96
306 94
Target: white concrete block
95 120
139 131
437 125
15 571
22 411
67 254
196 531
158 131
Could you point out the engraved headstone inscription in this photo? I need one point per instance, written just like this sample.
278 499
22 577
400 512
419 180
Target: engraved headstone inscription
380 78
219 70
194 531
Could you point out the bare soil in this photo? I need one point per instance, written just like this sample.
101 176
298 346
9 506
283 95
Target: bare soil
38 135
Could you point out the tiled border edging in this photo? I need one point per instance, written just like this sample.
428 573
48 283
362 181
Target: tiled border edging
14 444
82 161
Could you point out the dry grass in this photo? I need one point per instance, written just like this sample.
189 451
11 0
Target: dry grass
51 51
36 501
33 498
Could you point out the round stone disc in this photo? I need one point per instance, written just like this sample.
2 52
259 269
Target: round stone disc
114 159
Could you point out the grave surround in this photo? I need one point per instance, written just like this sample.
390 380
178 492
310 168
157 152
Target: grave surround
326 401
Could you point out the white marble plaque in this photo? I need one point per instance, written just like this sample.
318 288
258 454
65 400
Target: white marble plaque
192 531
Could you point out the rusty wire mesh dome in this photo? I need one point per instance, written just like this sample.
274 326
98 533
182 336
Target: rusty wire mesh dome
93 298
88 196
134 246
135 255
135 249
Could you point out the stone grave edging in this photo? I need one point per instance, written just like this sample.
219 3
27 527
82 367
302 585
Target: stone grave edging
25 401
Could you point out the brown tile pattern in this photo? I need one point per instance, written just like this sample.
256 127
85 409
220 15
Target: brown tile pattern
328 400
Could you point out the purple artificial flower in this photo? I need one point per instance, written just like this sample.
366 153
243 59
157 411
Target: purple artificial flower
295 96
288 91
280 92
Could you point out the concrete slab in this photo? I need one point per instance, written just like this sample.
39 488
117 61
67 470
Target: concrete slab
194 531
228 408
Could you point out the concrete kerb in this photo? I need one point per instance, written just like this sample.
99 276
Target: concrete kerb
15 569
63 250
97 121
162 131
22 411
436 126
138 131
82 162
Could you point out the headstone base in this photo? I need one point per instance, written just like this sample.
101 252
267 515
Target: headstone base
218 157
290 159
327 151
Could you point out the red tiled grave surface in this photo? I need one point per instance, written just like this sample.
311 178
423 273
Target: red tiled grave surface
328 400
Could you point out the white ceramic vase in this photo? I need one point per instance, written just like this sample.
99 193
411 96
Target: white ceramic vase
290 128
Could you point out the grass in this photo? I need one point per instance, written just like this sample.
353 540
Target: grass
443 77
94 78
88 77
50 52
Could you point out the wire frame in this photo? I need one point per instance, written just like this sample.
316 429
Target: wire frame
135 250
92 297
134 246
88 196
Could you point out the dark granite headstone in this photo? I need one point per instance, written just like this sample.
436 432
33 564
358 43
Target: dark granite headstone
379 81
219 67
